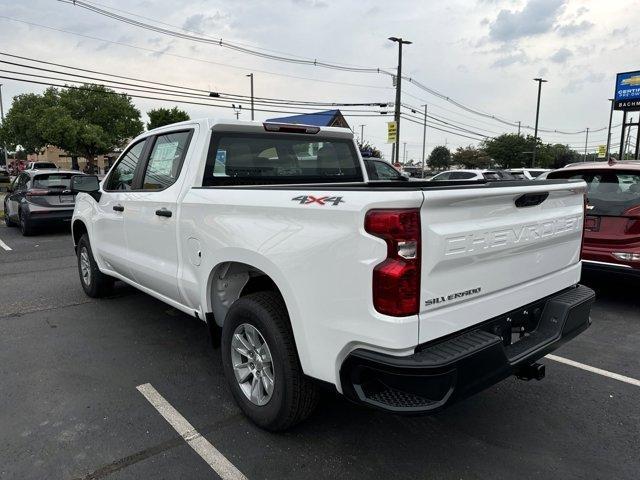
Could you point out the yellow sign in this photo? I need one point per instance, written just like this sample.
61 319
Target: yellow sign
602 151
392 131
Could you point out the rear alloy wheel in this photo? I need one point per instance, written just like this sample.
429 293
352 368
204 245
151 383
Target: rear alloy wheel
26 226
261 364
252 364
94 283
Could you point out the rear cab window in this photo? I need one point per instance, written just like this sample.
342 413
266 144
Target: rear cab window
271 159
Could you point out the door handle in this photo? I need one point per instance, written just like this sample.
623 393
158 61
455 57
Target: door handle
118 208
163 212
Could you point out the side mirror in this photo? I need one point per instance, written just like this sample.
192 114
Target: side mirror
404 176
86 184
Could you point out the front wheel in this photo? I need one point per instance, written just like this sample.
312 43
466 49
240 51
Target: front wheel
7 221
94 283
261 363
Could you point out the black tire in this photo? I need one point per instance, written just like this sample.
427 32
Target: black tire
294 395
96 284
8 222
26 226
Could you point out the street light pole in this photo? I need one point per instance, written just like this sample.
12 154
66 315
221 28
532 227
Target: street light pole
535 134
609 130
519 127
586 140
424 139
400 42
251 77
404 153
4 145
362 133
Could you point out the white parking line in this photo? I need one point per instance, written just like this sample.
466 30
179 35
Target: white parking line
4 245
599 371
223 467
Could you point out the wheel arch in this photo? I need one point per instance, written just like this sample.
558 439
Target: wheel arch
78 229
230 280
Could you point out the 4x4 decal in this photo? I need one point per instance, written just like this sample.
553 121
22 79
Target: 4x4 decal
309 199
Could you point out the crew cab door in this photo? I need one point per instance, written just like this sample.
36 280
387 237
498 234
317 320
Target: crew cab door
109 241
151 215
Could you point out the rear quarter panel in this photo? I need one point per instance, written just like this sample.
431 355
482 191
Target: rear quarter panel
319 256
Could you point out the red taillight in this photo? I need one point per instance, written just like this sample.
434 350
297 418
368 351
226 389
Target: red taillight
37 192
396 281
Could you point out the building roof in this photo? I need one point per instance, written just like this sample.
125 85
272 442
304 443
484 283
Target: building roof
327 118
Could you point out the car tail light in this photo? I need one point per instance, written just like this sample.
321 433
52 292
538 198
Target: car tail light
396 281
37 192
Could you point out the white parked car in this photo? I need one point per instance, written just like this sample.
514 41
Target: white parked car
471 175
405 296
527 173
40 165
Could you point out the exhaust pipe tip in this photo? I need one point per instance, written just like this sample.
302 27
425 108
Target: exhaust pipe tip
535 371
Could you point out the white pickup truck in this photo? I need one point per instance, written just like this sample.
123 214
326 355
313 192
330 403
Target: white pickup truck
405 296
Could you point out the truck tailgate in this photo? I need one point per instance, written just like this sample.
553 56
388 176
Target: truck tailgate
489 250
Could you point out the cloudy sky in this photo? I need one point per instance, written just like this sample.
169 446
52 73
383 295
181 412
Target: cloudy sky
481 53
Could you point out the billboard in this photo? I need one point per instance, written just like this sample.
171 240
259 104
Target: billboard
627 96
392 131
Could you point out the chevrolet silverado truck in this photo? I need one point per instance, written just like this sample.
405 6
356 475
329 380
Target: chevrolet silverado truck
403 296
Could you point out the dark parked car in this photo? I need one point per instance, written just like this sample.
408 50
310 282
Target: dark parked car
612 222
39 197
378 169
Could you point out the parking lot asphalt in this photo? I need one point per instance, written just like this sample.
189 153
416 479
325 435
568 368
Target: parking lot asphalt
69 407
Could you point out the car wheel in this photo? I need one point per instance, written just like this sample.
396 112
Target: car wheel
94 283
261 363
26 226
7 221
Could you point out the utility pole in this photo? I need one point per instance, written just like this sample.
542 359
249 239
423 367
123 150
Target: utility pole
251 77
4 145
519 127
236 110
626 146
535 134
609 130
424 139
362 134
400 42
624 127
585 144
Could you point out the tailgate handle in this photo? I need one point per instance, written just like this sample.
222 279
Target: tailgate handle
531 199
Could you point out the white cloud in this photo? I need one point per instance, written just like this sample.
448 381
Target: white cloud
561 56
538 16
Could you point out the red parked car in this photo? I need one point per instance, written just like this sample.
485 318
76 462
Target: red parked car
612 223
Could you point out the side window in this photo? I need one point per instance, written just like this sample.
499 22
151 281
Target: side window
442 176
22 181
121 177
462 176
371 170
385 171
165 160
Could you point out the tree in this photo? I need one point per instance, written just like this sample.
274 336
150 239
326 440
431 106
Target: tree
87 121
510 150
22 125
440 158
368 150
471 157
159 117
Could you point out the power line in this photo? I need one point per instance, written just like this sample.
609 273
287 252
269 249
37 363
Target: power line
194 59
37 82
287 58
236 97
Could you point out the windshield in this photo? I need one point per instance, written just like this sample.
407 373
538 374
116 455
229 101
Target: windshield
44 165
53 180
255 159
609 192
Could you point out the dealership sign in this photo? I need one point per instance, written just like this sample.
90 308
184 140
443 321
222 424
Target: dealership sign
627 95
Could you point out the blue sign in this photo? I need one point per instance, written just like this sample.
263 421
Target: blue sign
627 96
